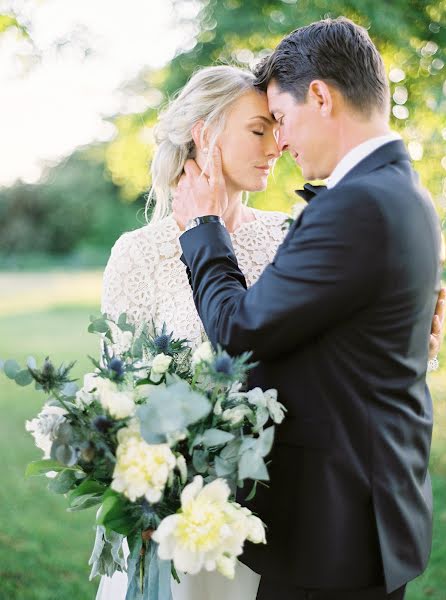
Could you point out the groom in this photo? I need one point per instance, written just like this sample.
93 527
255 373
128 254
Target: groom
340 323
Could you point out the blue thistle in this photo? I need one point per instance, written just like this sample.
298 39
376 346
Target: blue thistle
102 423
162 342
224 364
117 366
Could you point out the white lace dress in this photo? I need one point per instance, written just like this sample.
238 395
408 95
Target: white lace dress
145 278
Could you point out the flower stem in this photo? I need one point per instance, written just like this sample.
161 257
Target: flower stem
59 399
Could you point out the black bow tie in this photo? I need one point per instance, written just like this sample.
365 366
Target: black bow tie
310 191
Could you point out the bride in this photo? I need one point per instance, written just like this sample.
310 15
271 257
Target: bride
144 276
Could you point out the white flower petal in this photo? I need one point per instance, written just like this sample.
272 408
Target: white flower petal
191 490
187 561
216 491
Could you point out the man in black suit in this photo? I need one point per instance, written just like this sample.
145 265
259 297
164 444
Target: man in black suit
340 323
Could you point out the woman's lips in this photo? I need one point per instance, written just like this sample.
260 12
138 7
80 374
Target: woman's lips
265 170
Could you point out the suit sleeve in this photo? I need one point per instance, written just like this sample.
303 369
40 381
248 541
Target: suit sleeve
330 267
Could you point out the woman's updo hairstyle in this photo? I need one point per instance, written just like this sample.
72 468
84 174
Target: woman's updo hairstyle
207 96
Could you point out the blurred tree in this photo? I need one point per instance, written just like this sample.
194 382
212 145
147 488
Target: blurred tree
77 203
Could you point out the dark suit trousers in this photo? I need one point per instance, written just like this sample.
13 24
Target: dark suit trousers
272 590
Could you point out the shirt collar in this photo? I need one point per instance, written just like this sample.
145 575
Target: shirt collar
356 155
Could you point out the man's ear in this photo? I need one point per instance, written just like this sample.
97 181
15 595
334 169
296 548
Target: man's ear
320 96
197 135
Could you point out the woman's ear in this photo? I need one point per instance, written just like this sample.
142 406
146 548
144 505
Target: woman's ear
197 132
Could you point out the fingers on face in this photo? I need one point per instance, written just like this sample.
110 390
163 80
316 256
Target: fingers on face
191 169
216 168
436 325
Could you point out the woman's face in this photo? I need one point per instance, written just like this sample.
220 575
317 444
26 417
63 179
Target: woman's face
248 143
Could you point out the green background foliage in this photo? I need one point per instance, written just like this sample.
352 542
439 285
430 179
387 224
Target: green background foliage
101 189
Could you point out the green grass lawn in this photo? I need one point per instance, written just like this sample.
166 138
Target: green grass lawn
44 550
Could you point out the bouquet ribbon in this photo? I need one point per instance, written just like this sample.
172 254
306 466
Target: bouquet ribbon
149 577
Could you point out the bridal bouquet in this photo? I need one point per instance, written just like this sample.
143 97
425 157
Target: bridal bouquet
159 438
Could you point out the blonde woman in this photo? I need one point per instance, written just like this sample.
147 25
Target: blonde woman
144 276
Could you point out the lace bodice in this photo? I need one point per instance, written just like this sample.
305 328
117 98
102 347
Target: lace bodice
145 278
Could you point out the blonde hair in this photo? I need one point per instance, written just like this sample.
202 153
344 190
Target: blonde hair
207 96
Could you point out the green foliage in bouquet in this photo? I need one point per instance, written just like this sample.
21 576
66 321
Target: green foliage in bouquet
155 434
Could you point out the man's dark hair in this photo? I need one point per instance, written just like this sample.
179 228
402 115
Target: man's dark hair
336 51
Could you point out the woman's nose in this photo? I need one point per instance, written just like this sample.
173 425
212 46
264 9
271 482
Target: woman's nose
273 148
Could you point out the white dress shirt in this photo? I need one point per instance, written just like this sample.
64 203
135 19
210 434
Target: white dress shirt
356 154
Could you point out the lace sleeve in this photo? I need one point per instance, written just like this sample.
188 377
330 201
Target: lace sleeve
128 282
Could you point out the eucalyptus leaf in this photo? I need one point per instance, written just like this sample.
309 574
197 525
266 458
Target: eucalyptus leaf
172 378
11 368
63 482
64 433
223 467
63 453
252 493
252 466
98 326
69 389
231 451
216 437
265 441
23 378
261 417
200 460
248 443
171 409
31 362
123 325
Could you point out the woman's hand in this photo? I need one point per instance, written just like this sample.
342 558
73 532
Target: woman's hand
198 195
437 331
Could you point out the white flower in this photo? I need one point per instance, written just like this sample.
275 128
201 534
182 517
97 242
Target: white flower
161 363
120 404
85 396
142 392
122 340
268 400
276 409
208 532
256 397
226 565
217 406
182 468
44 428
204 352
141 469
236 414
256 530
173 437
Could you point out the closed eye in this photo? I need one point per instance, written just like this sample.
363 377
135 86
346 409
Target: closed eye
257 132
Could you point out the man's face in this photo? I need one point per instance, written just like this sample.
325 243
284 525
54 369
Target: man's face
303 132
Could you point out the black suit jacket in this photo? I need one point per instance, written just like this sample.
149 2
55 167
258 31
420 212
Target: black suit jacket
340 322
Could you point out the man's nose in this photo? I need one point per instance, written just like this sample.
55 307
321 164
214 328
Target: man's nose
281 142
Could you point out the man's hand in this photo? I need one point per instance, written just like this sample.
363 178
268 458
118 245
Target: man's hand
198 195
437 331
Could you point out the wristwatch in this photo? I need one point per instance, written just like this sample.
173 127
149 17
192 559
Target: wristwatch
202 220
